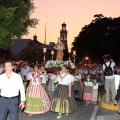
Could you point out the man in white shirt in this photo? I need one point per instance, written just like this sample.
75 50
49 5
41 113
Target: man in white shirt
109 80
28 76
10 85
24 70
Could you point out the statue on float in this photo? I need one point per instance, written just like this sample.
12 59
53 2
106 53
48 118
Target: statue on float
59 47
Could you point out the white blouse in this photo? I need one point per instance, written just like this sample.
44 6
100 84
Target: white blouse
35 79
95 87
89 83
64 79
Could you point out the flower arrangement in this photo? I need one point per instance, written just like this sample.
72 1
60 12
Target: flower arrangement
59 64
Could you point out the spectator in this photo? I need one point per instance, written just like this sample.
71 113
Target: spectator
108 69
24 71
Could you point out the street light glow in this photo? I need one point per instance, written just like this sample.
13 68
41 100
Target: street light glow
86 58
45 15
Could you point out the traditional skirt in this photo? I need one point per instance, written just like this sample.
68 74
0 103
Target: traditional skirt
37 101
87 93
47 91
61 101
95 96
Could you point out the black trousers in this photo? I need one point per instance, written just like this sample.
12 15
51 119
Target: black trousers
10 105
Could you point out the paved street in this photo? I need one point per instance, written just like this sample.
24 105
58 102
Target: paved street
91 112
80 115
84 113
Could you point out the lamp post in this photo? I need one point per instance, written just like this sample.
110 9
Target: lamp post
44 51
74 54
86 58
52 53
69 51
45 28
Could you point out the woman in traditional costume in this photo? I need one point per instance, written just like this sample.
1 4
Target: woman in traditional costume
63 100
37 101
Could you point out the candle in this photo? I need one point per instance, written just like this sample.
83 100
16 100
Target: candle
44 50
69 51
52 52
74 53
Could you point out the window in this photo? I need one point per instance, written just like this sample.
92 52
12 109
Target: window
63 37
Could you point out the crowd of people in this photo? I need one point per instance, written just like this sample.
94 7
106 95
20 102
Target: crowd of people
43 92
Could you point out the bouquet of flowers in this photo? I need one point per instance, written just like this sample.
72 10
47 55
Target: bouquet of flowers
59 64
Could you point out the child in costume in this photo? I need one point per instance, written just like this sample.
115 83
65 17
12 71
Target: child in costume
94 92
88 90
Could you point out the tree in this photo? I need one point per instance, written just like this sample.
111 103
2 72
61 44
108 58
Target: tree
15 20
100 37
31 55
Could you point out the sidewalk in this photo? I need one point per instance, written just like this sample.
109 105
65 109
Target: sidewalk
105 114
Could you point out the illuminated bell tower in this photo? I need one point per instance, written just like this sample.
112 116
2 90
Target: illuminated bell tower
63 35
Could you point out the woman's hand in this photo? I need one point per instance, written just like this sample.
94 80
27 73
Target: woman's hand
39 79
69 94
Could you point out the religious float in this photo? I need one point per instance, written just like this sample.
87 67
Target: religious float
54 66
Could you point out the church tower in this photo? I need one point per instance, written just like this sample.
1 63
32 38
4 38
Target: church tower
63 35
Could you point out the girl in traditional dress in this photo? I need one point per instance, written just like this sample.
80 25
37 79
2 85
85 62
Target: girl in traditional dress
37 101
94 92
63 100
88 90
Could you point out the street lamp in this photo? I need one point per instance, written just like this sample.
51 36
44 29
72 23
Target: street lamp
69 51
74 54
52 53
86 58
45 28
44 51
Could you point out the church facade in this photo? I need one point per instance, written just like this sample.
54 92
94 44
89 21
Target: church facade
34 43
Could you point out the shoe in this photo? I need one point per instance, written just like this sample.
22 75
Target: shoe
118 112
59 113
30 115
86 105
59 116
88 102
66 114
